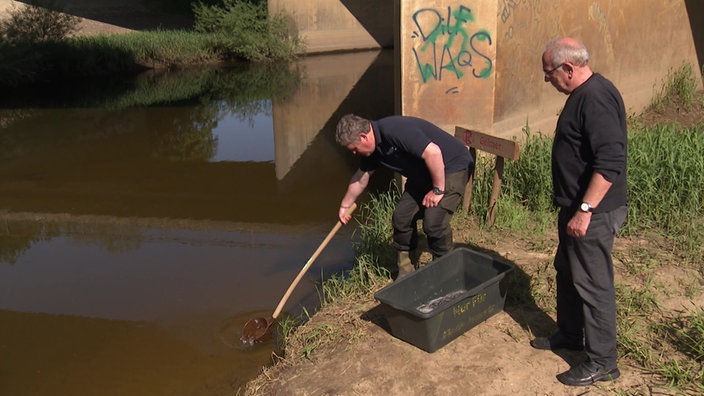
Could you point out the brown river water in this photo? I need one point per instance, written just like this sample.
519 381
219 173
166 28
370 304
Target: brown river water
142 226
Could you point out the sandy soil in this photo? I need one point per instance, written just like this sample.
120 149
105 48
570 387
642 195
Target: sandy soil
493 358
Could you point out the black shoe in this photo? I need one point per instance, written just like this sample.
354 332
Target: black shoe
587 373
556 341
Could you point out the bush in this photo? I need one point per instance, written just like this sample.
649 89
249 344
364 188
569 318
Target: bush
244 29
39 21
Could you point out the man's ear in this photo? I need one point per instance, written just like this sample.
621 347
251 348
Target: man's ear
569 68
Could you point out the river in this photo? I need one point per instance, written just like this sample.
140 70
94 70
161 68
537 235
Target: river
143 221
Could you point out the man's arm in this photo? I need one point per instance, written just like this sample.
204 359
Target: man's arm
433 160
358 183
598 187
432 155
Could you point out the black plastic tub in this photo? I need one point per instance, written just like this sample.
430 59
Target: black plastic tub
439 302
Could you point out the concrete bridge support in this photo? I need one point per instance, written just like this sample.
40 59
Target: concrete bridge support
476 63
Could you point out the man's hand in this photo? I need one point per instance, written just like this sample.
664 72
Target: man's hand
431 199
344 214
578 224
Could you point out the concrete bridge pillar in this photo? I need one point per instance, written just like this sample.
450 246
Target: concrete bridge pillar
447 53
476 63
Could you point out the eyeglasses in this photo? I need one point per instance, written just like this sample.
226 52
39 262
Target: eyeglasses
549 72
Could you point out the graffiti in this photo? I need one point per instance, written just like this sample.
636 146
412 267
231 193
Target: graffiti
525 17
507 9
447 46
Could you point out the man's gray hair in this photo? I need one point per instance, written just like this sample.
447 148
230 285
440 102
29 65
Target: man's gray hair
349 128
564 49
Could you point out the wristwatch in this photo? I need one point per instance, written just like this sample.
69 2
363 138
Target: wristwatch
438 191
585 207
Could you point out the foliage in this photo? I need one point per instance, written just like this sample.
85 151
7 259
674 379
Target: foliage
665 183
152 49
244 29
670 346
375 255
38 21
375 225
25 33
235 31
526 191
528 177
686 332
679 89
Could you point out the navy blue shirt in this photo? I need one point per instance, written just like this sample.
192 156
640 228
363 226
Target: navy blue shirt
401 140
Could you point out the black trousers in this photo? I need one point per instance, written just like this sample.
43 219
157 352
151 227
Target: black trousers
436 220
586 300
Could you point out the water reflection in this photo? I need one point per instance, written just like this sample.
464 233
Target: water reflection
115 306
151 270
150 154
142 224
245 140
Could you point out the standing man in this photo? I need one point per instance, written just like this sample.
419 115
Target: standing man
435 164
589 181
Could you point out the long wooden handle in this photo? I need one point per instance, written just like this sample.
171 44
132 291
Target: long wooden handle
309 263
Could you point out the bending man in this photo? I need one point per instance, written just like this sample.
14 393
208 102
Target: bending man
435 164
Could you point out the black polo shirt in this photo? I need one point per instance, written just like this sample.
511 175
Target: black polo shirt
401 140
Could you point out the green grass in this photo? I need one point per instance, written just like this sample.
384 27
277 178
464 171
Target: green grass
375 256
154 49
685 332
236 30
665 183
679 89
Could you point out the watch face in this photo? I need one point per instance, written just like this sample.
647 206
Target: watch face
584 207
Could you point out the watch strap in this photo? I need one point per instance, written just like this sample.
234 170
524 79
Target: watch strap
585 207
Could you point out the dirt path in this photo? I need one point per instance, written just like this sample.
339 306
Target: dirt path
493 358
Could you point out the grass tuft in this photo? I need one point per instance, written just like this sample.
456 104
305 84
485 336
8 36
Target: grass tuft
679 90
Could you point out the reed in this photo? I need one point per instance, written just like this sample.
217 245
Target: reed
679 89
666 184
375 255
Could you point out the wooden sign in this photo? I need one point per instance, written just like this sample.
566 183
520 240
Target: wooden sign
501 148
491 144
